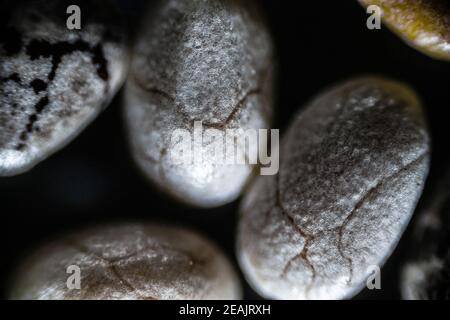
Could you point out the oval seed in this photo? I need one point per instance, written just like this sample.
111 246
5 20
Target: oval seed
207 61
352 167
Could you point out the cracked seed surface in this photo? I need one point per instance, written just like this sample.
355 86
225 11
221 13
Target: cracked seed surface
54 81
352 167
426 274
198 60
423 24
139 262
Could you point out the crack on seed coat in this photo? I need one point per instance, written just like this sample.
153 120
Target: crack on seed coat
220 125
361 202
303 254
308 238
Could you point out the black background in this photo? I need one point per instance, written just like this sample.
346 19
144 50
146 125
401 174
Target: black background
94 180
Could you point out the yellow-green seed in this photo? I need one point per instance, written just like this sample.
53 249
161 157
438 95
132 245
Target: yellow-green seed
423 24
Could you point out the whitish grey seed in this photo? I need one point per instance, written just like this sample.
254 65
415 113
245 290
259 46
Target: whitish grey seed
352 167
426 273
133 261
208 61
54 81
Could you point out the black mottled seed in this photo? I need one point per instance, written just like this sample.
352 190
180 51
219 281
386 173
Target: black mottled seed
60 80
38 85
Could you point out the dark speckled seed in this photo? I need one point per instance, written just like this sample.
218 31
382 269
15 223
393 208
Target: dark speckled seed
352 167
54 81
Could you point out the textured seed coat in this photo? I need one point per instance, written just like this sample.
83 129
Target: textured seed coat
53 81
352 167
198 60
139 262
